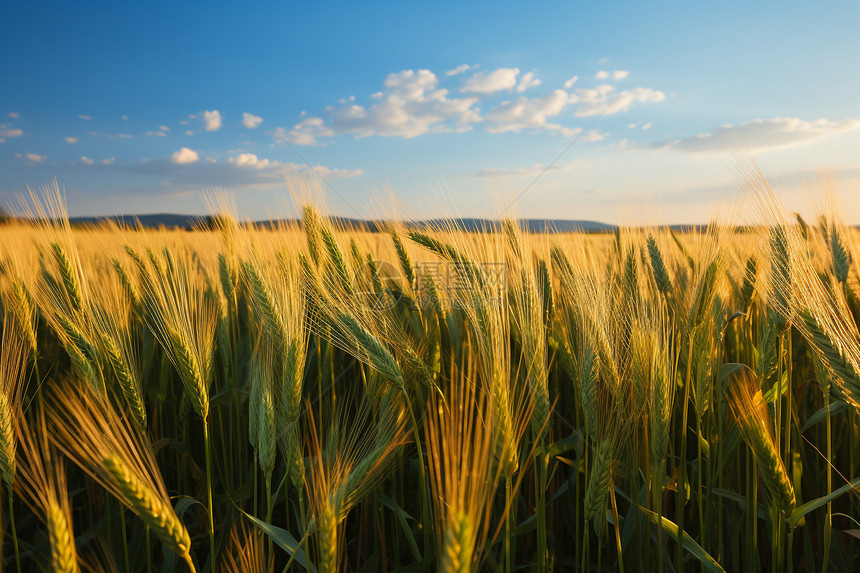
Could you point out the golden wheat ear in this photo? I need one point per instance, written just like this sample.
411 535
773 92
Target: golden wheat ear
42 486
12 365
113 451
459 436
750 411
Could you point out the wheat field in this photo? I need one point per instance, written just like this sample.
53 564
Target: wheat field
322 398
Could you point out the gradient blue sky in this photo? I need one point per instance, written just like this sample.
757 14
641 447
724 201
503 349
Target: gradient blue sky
138 107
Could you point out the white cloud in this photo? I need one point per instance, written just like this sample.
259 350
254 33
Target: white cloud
527 81
605 99
124 135
212 120
529 113
162 131
13 115
631 126
35 158
762 134
184 122
189 132
250 120
459 70
328 173
305 132
497 80
72 140
616 75
89 161
6 131
249 160
243 171
410 106
85 117
533 170
647 126
185 155
125 118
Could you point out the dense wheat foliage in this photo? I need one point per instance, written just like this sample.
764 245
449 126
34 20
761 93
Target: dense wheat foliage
415 398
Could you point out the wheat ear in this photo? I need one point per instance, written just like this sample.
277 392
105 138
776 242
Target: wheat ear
161 518
63 554
750 410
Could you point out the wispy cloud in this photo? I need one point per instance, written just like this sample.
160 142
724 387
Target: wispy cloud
527 81
85 117
607 100
761 134
72 140
9 132
250 120
532 170
33 158
459 70
13 114
306 132
88 161
616 75
242 171
569 83
497 80
529 113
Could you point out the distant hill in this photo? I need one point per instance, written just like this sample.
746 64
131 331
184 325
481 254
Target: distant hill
155 220
170 220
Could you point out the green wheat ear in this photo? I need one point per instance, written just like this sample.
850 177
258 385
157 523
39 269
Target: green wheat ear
163 521
69 277
327 540
7 442
64 558
127 382
661 275
599 482
456 554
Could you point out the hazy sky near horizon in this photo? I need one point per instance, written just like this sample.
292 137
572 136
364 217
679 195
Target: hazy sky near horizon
630 110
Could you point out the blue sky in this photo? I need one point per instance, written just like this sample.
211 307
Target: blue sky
139 107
